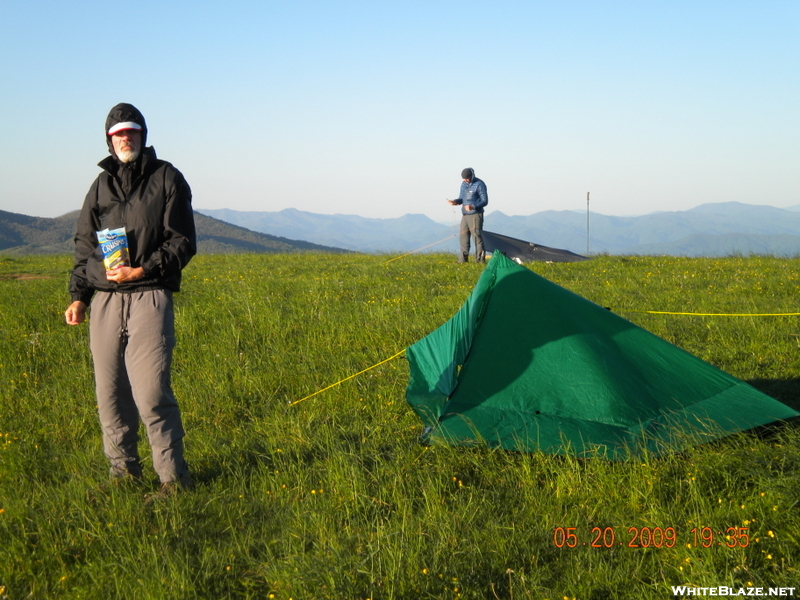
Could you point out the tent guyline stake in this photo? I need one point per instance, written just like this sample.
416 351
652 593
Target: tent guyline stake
418 249
587 222
346 378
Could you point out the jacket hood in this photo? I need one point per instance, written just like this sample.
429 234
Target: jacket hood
123 113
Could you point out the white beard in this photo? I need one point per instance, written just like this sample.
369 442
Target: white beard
127 156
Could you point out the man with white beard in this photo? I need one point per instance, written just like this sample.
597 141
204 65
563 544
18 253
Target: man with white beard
147 202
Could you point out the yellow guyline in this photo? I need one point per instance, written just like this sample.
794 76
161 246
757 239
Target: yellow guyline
383 361
346 378
662 312
650 312
418 249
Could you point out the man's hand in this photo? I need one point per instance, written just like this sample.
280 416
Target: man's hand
469 207
75 313
124 274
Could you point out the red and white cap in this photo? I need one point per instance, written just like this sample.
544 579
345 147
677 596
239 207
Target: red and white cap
123 126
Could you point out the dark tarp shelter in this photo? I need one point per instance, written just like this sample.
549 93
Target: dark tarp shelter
527 365
523 251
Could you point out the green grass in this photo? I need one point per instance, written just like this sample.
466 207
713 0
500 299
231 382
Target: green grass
333 497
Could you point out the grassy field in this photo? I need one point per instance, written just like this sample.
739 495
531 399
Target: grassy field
333 497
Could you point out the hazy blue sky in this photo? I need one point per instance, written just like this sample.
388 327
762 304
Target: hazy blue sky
373 108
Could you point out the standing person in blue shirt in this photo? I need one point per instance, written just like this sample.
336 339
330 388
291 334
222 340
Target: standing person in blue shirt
473 199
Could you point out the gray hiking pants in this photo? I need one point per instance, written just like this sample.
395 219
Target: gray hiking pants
132 337
471 226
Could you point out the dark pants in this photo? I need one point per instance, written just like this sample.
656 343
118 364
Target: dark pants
471 226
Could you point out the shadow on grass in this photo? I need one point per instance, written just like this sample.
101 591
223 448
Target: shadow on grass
233 457
783 390
243 455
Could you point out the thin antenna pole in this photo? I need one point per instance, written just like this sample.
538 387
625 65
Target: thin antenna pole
587 222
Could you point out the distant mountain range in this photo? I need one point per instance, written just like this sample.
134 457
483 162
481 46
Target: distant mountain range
351 232
721 229
21 234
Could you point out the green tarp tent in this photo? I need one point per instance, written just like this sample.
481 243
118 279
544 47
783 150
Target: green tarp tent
527 365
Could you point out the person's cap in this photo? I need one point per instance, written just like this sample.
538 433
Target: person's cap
126 125
124 116
467 174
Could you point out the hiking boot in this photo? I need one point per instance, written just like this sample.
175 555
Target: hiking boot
167 489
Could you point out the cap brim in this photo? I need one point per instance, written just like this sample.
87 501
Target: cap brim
127 125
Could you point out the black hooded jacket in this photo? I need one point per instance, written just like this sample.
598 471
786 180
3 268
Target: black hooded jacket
154 204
